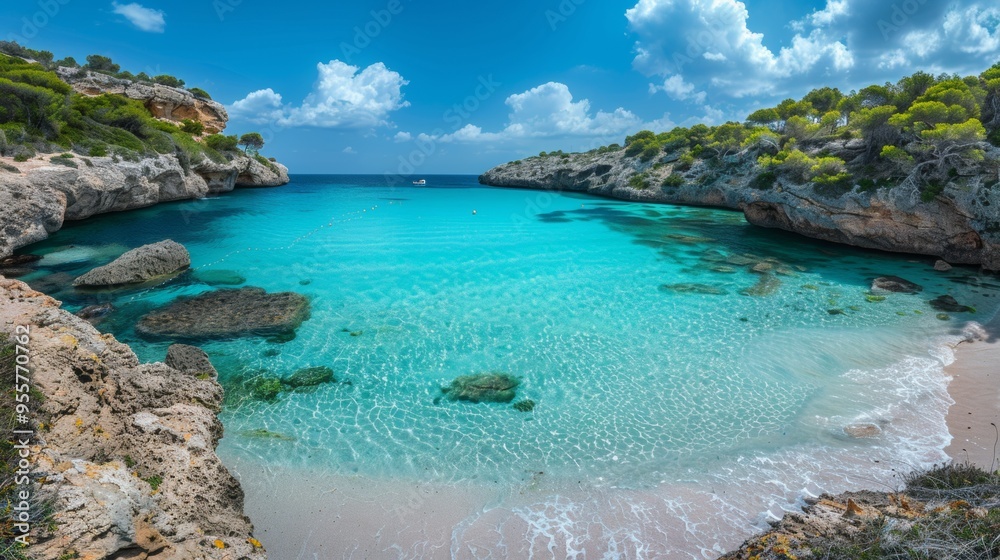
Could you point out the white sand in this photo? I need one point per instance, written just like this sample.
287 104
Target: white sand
975 387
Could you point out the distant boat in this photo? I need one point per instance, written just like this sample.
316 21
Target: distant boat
420 183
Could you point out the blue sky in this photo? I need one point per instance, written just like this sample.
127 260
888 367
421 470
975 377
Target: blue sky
402 86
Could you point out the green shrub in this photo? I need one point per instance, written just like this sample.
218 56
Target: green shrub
639 181
198 92
21 158
764 180
192 127
221 143
931 190
673 180
167 80
100 150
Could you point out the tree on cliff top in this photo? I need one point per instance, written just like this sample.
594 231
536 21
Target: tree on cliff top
251 141
99 63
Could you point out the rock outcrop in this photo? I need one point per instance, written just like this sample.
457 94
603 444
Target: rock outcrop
124 452
962 225
141 264
227 313
483 387
35 203
164 102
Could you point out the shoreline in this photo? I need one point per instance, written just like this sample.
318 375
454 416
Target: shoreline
975 388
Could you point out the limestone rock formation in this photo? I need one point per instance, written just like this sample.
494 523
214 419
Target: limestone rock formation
190 359
962 225
37 202
895 284
163 102
127 454
227 313
139 265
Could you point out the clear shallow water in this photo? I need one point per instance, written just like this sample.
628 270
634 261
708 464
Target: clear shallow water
636 385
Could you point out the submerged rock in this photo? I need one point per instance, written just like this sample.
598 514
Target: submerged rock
192 360
949 305
219 278
688 288
765 286
862 430
96 313
310 377
261 433
483 387
226 314
895 284
15 261
527 405
942 266
139 265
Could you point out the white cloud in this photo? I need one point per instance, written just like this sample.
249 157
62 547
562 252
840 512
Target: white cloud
402 137
344 97
677 88
548 111
834 10
709 41
349 150
975 29
146 19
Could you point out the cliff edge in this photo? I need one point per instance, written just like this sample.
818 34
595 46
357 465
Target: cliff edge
123 452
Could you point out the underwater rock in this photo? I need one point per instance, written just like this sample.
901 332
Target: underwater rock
740 260
226 314
265 388
527 405
895 284
483 387
949 305
19 260
310 377
219 278
190 359
942 266
765 286
835 311
95 313
762 266
872 298
689 288
862 430
138 265
261 433
15 272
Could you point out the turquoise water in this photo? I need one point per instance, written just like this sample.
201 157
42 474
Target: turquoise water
635 384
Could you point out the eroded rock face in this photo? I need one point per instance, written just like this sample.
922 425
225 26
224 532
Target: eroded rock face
227 313
163 102
190 359
116 428
961 226
139 265
37 202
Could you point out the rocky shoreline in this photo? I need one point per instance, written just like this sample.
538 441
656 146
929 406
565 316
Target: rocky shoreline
124 452
961 225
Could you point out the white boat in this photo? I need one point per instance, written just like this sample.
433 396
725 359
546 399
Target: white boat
420 183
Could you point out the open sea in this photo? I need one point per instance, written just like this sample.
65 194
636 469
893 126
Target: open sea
681 397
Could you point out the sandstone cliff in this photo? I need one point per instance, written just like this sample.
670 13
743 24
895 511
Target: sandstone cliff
961 225
39 197
124 452
173 104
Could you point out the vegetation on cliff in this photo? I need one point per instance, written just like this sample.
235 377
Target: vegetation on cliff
41 113
925 130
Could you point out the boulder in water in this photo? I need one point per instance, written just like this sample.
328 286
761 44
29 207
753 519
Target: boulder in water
942 266
227 314
138 265
310 377
190 359
483 387
219 278
95 313
949 305
895 284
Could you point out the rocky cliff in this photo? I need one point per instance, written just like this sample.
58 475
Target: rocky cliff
960 225
38 197
168 103
124 452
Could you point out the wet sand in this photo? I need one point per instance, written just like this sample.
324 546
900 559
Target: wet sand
975 387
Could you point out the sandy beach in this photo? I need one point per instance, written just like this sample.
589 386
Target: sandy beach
975 387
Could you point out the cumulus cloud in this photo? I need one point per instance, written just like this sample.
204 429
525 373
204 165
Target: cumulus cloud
402 137
677 88
349 150
344 97
548 111
146 19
